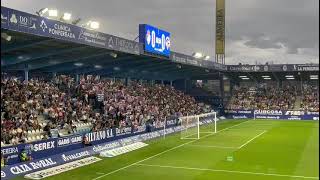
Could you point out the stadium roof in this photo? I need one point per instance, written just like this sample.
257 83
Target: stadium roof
43 54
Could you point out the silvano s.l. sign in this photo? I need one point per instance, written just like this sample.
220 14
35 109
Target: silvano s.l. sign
156 41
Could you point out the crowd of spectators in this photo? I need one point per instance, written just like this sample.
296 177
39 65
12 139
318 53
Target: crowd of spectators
310 98
102 102
263 97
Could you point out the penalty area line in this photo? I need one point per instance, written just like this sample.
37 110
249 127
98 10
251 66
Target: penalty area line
251 139
227 171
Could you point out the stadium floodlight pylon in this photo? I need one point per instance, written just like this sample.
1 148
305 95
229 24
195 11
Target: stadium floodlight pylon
191 125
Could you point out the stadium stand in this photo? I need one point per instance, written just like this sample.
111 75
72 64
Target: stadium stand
31 110
275 98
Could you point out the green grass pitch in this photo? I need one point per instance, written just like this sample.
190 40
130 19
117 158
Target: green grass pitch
240 150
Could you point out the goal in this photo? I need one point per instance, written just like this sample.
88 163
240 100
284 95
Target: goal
191 125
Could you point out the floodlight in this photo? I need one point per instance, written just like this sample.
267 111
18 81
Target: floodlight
245 78
206 58
97 66
94 25
78 64
313 77
6 36
197 55
114 55
289 76
42 11
53 13
66 16
242 76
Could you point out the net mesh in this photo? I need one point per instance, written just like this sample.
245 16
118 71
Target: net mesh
194 126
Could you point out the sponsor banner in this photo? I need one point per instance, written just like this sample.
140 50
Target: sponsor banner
27 23
185 59
62 168
45 148
63 157
274 68
156 41
271 114
123 149
306 67
9 172
220 26
69 140
268 112
248 68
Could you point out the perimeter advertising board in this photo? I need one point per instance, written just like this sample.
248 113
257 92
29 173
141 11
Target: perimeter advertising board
53 160
271 114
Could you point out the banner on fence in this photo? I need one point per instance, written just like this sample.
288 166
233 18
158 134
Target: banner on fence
271 114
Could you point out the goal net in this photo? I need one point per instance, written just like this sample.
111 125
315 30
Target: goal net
194 126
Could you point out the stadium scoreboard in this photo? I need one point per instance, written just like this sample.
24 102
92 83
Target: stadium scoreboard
154 40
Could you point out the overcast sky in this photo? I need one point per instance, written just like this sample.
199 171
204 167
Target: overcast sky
282 31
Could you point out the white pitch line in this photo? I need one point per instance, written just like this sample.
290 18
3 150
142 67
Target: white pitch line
251 140
125 167
187 137
228 171
209 146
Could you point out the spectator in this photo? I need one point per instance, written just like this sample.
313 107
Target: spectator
64 103
24 156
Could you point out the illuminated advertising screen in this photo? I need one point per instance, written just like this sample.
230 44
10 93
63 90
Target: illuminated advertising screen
156 41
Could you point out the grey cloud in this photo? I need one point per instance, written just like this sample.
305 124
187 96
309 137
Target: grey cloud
262 43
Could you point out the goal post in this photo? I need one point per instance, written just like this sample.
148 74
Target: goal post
193 126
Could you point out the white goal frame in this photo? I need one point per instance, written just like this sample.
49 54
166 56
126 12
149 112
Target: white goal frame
195 125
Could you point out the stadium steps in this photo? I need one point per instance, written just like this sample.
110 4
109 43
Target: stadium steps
297 103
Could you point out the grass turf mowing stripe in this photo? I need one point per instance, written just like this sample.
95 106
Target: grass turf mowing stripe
209 146
251 139
181 145
227 171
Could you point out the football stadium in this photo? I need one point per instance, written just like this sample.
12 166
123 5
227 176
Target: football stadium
81 104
